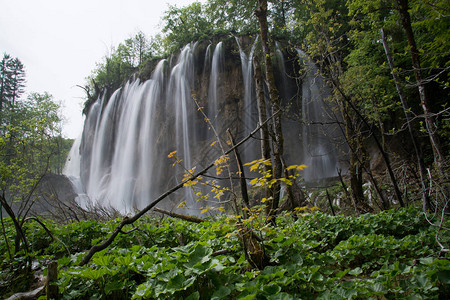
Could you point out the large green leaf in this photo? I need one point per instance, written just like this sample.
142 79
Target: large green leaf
221 293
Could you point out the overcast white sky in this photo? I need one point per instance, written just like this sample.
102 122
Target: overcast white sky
59 41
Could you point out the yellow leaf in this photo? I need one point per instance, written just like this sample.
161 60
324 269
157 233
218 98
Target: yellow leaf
221 208
296 167
272 182
254 181
229 234
177 162
213 143
254 167
219 170
267 162
172 154
254 162
301 167
204 210
190 183
286 181
301 208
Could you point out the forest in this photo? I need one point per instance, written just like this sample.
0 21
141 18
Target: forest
378 229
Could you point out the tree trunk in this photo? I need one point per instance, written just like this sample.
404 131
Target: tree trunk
241 173
408 118
4 232
262 113
347 194
430 121
277 139
52 278
19 232
354 168
384 154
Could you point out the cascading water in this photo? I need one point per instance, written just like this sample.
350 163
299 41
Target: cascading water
122 161
214 96
207 61
319 128
180 98
72 171
124 152
250 116
119 160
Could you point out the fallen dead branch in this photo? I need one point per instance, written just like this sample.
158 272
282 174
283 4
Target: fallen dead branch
179 216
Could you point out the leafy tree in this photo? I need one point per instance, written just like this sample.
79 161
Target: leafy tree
5 78
402 7
426 62
12 80
281 17
135 50
184 25
27 146
18 80
58 161
235 16
118 66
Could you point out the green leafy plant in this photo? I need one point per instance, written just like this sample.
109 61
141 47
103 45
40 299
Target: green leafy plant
392 254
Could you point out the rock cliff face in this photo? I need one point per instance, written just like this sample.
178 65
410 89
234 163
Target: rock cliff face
122 160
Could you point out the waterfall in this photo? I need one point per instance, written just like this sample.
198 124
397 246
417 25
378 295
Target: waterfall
180 99
72 171
250 115
207 60
213 90
121 161
121 158
319 126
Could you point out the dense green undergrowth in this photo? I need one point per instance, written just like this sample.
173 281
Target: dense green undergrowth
389 255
